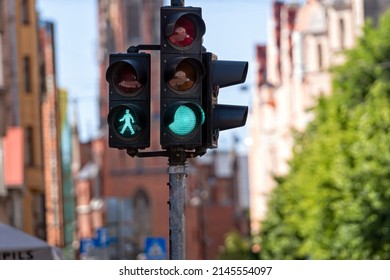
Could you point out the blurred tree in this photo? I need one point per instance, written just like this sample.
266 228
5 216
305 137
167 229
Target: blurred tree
335 202
237 247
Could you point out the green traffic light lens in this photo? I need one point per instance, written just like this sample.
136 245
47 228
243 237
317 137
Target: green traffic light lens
186 119
126 80
126 122
184 77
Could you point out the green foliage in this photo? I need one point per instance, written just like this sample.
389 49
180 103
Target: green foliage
335 202
237 247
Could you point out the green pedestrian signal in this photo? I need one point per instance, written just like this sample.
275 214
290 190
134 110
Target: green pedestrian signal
128 76
128 119
127 122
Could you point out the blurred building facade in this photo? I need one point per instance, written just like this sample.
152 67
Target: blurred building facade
217 201
52 165
31 129
22 155
293 71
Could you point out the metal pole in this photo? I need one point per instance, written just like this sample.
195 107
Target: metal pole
178 3
177 195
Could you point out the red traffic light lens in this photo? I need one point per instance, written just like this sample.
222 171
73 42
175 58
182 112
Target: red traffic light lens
184 32
184 77
125 79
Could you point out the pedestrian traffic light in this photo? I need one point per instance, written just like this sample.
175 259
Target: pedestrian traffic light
182 72
128 76
221 73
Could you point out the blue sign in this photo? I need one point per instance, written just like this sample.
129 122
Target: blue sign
86 244
155 248
102 238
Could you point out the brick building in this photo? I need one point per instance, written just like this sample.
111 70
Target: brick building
52 165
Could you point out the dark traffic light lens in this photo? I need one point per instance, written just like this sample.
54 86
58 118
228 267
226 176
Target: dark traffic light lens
125 79
184 77
184 32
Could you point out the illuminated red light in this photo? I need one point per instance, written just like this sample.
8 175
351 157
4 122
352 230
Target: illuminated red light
184 33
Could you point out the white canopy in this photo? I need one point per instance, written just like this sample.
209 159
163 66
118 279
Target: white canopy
18 245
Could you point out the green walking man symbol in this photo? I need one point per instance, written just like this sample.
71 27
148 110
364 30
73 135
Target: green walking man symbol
128 119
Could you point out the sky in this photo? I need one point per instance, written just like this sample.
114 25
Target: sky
233 29
76 47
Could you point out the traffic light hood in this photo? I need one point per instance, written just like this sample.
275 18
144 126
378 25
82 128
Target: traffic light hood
228 73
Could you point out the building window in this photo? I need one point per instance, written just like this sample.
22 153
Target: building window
2 15
133 20
25 12
28 146
142 215
27 73
39 215
119 220
156 22
1 62
320 57
342 33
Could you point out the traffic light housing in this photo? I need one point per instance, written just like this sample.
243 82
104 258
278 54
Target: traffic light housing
128 76
190 79
182 72
219 74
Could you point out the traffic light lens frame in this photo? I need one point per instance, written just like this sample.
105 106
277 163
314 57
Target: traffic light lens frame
125 80
184 32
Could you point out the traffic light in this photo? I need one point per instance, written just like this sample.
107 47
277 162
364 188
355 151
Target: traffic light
128 76
182 72
221 73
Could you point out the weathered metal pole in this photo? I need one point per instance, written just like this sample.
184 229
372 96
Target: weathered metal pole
177 196
179 3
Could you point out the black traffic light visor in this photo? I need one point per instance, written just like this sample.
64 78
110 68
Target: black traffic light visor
227 73
229 116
